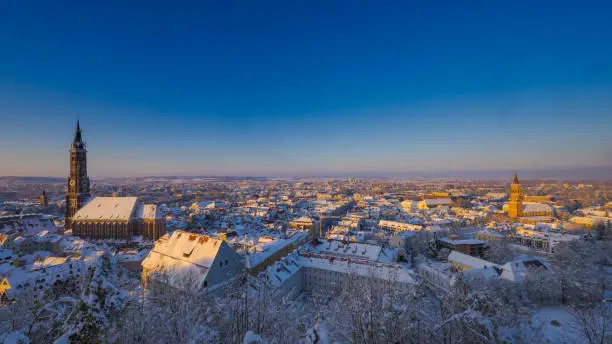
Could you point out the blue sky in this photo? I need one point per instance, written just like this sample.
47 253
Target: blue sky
305 87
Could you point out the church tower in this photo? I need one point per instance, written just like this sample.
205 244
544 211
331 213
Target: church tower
43 199
78 183
515 204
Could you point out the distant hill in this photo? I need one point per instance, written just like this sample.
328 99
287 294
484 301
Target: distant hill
30 180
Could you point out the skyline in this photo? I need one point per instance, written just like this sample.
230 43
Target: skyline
281 89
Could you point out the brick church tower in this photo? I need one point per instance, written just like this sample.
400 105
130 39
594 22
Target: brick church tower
515 204
44 202
78 183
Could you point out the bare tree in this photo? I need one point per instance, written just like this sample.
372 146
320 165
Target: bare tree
499 252
594 322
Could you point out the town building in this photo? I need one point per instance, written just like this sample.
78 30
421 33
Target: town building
465 262
302 223
189 261
472 247
42 274
329 266
397 227
118 218
545 241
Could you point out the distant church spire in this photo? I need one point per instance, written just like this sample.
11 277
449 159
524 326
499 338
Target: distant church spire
43 199
515 203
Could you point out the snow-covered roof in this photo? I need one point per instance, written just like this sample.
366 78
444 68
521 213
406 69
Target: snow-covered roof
352 250
490 233
437 201
183 256
463 241
203 204
266 247
282 270
400 226
42 273
48 262
537 207
107 208
303 219
377 270
515 270
467 260
149 211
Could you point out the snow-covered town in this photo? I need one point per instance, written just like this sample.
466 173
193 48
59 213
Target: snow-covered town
305 260
305 172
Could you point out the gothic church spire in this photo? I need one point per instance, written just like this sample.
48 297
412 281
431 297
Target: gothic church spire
78 138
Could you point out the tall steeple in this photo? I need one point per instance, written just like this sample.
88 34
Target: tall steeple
43 199
515 180
78 192
78 143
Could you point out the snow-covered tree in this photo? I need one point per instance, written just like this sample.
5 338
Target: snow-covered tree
251 303
594 322
499 252
369 308
579 266
93 315
317 334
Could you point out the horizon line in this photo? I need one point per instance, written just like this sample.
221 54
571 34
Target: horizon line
600 173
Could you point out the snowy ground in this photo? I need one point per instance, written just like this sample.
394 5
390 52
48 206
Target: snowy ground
566 331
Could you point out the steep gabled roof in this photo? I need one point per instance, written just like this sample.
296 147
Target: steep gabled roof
472 262
184 257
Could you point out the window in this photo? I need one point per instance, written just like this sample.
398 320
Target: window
221 263
226 262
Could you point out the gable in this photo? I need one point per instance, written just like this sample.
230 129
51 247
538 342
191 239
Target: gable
4 285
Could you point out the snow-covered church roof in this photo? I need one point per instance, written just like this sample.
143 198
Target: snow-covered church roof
107 208
537 208
116 208
148 211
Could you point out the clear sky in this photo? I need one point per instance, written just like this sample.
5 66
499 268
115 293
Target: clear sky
305 87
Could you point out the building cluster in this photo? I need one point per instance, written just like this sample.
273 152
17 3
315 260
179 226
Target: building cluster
301 235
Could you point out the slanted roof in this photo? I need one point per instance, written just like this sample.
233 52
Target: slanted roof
515 270
303 219
203 204
107 208
284 269
467 260
463 241
537 208
184 257
352 250
437 201
149 211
